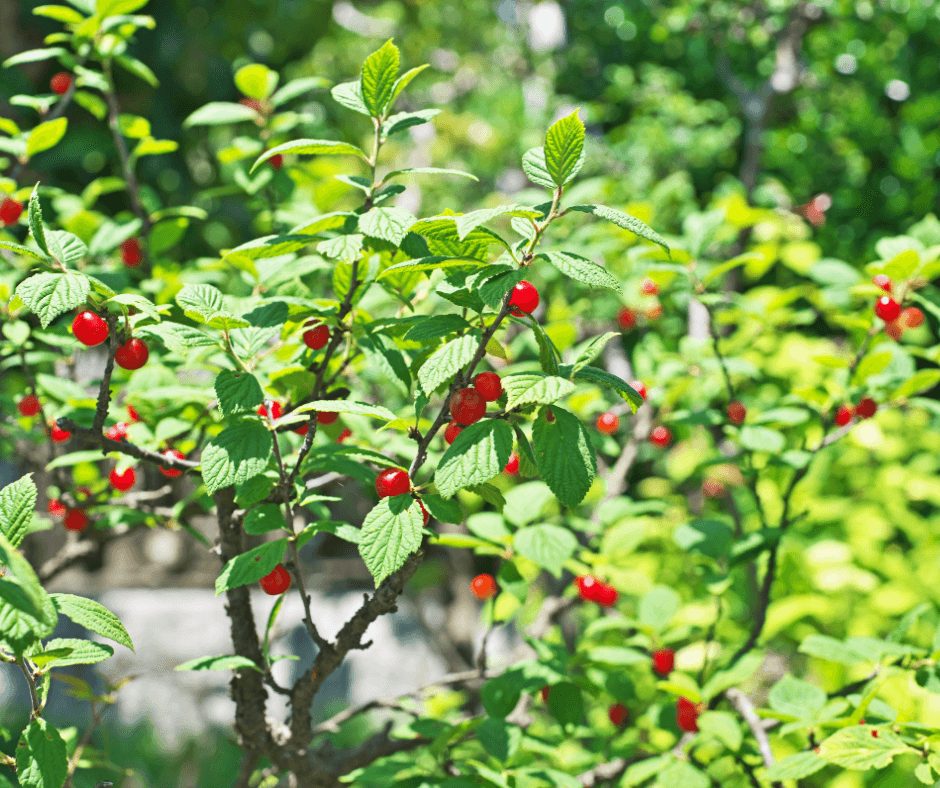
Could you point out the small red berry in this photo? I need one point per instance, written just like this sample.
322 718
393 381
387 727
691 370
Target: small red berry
737 413
276 411
10 211
122 481
489 385
452 431
649 287
663 661
608 423
76 520
59 436
253 104
326 417
544 693
467 406
887 308
303 430
874 734
277 161
133 354
132 414
606 595
638 387
117 432
57 508
654 311
861 721
277 581
866 407
392 481
587 587
483 586
626 318
317 337
618 714
883 281
131 253
912 317
686 715
844 415
29 405
525 298
172 473
512 467
661 436
61 82
89 329
346 433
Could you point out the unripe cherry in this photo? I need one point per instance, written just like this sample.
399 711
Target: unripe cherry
277 581
883 281
912 317
489 385
654 311
649 287
89 329
483 586
525 298
392 481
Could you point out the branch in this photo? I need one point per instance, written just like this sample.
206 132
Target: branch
107 445
104 391
745 708
34 697
77 549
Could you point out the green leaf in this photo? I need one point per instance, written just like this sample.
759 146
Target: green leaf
235 455
74 458
318 147
22 250
224 662
445 511
796 766
724 726
343 247
35 220
564 455
139 302
501 694
17 502
256 81
298 87
593 350
530 388
349 94
872 364
566 703
835 650
708 537
918 382
219 112
405 120
762 439
855 748
201 302
342 406
797 698
564 148
253 491
435 327
66 247
432 264
41 756
46 135
658 607
26 611
479 453
81 652
152 147
428 171
549 546
548 354
139 69
390 533
494 288
237 391
582 269
447 361
625 221
33 56
389 224
51 294
499 738
94 616
443 238
684 774
250 566
268 246
534 166
617 655
379 73
264 519
604 378
403 81
470 221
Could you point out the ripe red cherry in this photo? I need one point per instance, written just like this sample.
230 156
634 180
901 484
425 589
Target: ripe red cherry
844 415
736 412
131 253
76 520
544 693
512 467
10 211
608 423
277 581
490 386
59 436
89 329
606 596
117 432
276 410
587 587
61 82
866 407
686 715
277 161
122 481
525 298
425 514
392 481
912 317
483 586
887 308
317 337
132 414
663 661
661 436
626 318
618 714
452 431
649 287
133 354
883 281
57 508
346 433
326 417
654 311
29 405
303 430
467 406
638 387
172 473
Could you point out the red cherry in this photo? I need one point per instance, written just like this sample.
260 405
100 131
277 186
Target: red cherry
132 414
483 586
686 715
525 298
661 436
133 354
452 431
626 318
490 386
874 734
912 317
61 83
887 308
253 104
606 595
76 520
10 211
117 432
57 508
638 387
317 338
29 405
736 412
618 714
131 253
467 406
59 436
122 481
588 586
277 161
392 481
544 693
172 473
649 287
866 407
346 433
512 467
326 417
844 415
89 329
663 661
608 423
883 281
276 411
277 581
654 311
303 430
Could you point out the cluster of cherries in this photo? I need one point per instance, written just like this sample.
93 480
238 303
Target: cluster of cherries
627 317
468 405
91 329
889 310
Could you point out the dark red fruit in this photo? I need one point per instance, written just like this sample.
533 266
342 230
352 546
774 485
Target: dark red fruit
618 714
392 481
887 308
489 385
122 481
346 433
737 413
606 596
638 387
29 405
649 287
303 430
57 508
467 406
253 104
626 318
686 715
132 414
76 520
172 473
844 415
61 82
608 423
912 317
425 514
89 329
117 432
483 586
277 161
277 581
866 407
512 467
452 431
544 693
276 410
663 661
317 337
661 436
525 298
131 253
326 417
133 354
10 211
59 436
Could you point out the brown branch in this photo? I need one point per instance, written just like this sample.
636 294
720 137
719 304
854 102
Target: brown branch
34 697
77 549
104 391
745 708
122 446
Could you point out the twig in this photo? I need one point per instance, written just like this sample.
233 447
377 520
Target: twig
122 446
34 697
745 708
104 391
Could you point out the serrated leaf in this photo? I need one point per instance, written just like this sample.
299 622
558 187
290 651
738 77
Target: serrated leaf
796 766
17 502
534 166
405 120
429 171
447 361
390 533
593 350
855 748
564 148
548 356
341 406
35 220
403 81
199 302
83 652
45 136
564 455
252 565
22 250
235 455
604 378
389 224
26 611
872 364
264 518
349 94
379 73
530 388
501 694
493 289
311 147
479 453
138 302
435 327
625 221
256 81
66 247
470 221
797 698
549 546
432 264
582 269
343 247
269 246
41 756
237 391
94 616
499 738
225 662
48 295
